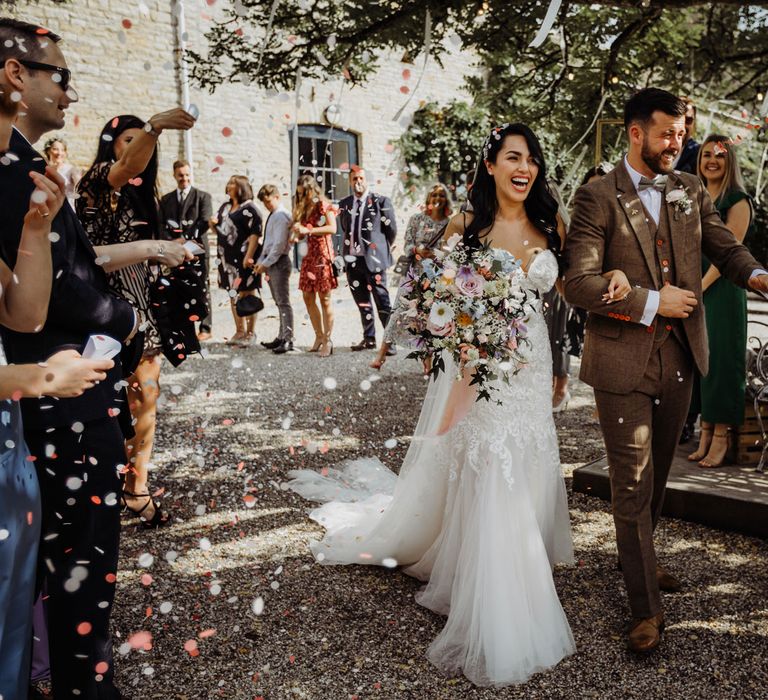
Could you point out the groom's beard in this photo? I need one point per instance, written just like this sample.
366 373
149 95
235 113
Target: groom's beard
654 162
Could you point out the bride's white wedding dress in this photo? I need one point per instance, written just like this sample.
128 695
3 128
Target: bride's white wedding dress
479 513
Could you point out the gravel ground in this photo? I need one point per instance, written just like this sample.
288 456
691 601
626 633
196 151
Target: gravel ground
236 609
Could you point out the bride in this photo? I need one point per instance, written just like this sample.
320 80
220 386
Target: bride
479 509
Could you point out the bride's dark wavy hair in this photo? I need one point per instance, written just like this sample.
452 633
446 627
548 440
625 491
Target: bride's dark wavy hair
540 205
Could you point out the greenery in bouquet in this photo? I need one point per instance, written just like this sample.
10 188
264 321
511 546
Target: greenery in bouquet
468 303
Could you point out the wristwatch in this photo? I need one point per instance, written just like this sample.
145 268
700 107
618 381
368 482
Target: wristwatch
151 129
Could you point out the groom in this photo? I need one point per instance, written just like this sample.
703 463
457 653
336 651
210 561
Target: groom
640 351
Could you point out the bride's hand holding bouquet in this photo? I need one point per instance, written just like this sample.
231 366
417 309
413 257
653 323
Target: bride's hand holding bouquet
468 302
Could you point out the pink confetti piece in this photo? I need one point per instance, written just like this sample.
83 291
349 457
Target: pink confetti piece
141 640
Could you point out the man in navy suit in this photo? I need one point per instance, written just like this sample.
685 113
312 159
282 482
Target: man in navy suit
77 443
687 159
368 229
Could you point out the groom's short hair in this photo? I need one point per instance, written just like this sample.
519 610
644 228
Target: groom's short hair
641 106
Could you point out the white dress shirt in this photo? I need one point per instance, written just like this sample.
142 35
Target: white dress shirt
651 199
181 195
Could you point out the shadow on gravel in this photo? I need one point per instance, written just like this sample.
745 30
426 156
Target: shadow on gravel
239 542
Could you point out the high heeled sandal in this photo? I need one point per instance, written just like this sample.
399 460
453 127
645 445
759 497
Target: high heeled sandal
327 344
700 454
562 405
316 346
724 461
158 519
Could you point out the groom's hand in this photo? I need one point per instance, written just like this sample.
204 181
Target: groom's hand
675 302
759 283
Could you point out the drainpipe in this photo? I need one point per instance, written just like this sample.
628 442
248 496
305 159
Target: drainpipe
183 75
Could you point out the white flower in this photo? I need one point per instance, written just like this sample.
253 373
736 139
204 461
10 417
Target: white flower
675 195
680 200
440 313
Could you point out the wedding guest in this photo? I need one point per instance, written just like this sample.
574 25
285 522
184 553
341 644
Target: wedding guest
185 213
118 205
238 235
721 395
369 229
56 154
688 157
275 262
24 296
80 519
422 235
315 220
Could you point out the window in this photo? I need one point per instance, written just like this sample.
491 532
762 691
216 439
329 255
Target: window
326 152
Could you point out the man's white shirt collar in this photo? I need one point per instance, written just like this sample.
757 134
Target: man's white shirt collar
633 174
184 192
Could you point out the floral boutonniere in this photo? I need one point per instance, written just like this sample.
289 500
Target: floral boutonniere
680 200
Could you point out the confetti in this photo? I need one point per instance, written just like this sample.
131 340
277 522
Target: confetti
145 560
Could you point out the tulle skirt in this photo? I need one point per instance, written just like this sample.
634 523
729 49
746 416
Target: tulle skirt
480 514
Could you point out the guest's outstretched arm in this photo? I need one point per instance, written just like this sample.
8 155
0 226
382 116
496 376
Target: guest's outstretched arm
139 151
25 292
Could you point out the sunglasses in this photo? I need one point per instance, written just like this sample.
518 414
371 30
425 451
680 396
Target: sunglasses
65 75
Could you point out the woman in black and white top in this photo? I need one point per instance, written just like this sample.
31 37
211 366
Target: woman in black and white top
238 240
118 205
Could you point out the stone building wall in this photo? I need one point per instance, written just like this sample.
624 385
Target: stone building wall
123 60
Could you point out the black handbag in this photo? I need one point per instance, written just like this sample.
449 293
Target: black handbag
247 306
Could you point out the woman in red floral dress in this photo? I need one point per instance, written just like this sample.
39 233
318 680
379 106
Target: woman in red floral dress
315 221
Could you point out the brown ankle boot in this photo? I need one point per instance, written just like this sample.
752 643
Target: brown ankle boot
645 634
667 582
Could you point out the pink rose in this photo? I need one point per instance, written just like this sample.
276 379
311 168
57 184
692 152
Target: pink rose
441 331
468 282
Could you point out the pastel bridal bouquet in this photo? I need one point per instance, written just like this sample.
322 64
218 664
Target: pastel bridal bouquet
467 302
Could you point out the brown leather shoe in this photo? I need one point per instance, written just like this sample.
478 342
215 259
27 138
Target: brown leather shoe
667 582
645 635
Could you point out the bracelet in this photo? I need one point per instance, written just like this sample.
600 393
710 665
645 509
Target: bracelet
160 250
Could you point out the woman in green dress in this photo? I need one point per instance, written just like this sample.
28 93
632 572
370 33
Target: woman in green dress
721 392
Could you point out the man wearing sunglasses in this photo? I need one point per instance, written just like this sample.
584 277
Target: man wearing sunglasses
689 152
77 443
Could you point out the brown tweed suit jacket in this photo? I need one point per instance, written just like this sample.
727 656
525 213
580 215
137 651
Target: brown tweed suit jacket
608 231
